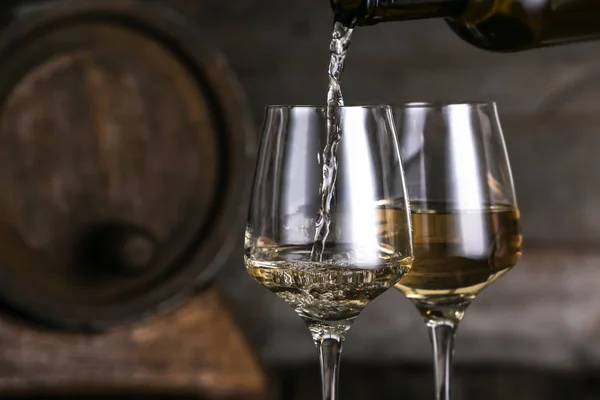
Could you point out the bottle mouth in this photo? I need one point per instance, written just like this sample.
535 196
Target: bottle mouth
354 12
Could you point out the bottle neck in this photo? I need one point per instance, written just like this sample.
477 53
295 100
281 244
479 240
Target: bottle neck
370 12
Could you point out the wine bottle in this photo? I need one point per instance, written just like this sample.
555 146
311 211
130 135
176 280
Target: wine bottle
495 25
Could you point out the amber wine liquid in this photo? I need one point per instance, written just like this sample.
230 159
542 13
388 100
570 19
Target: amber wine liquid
460 252
338 287
327 291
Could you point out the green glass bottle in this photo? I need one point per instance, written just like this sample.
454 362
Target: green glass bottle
495 25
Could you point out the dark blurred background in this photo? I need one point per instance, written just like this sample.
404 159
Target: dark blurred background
535 334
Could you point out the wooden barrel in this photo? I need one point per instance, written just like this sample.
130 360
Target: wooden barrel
125 146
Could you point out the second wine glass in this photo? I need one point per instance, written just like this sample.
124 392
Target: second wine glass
464 214
320 234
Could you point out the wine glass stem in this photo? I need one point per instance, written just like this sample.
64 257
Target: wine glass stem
330 350
441 333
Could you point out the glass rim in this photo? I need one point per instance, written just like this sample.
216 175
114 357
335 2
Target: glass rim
323 106
443 104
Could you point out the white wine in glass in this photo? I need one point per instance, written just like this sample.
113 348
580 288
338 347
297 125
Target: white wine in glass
464 212
328 249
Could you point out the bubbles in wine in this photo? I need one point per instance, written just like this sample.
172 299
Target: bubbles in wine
327 291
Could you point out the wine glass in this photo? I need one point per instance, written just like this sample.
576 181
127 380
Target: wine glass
464 214
320 233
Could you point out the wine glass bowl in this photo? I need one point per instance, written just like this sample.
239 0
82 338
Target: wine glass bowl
321 234
464 212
